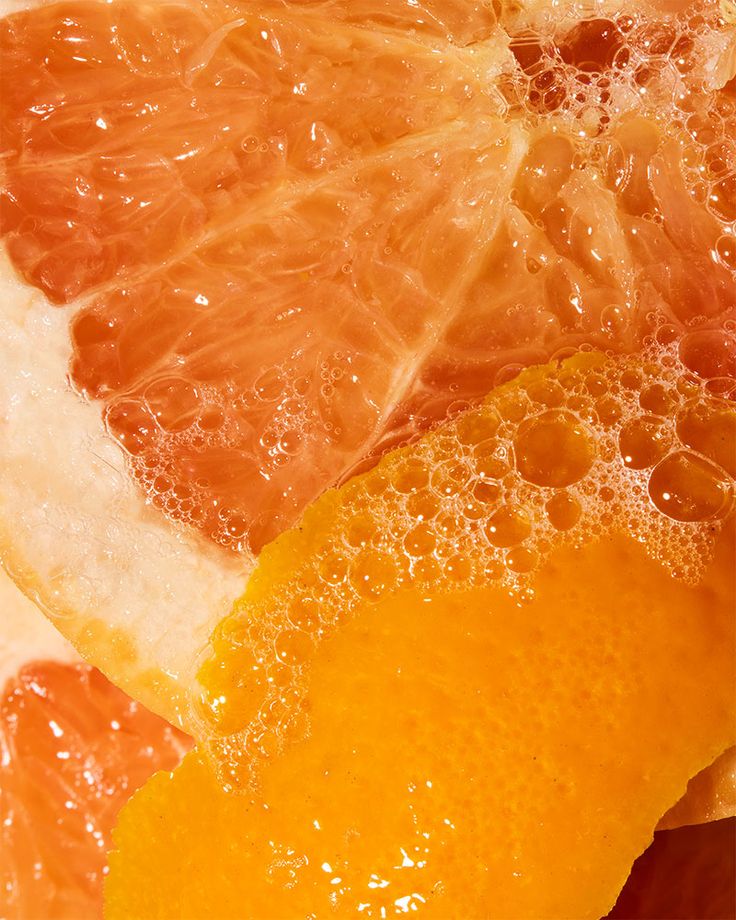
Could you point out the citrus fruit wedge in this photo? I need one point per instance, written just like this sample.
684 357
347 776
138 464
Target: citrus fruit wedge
74 748
213 311
454 654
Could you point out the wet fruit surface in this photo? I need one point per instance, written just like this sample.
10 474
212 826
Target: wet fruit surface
481 500
358 667
306 233
74 748
295 235
445 739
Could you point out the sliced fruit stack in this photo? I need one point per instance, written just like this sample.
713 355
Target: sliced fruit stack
452 634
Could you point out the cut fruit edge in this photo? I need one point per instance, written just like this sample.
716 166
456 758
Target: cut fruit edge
137 596
81 543
620 792
26 635
73 748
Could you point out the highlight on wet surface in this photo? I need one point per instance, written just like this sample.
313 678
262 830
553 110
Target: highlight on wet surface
74 749
416 204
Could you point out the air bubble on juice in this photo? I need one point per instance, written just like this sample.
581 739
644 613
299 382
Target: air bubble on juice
432 518
563 511
643 441
557 435
508 526
686 487
709 353
709 428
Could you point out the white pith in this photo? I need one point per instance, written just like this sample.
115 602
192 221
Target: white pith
26 635
74 531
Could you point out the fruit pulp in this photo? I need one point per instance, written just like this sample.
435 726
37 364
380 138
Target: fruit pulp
305 234
74 748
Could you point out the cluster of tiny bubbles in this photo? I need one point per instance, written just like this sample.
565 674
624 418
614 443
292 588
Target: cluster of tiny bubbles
586 71
638 445
172 417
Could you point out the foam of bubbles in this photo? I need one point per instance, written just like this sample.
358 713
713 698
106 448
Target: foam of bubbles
638 445
582 71
599 90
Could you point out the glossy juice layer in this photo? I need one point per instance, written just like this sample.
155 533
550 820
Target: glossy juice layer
303 233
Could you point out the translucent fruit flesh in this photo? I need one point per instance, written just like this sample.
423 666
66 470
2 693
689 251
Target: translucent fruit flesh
544 461
74 748
395 260
406 208
467 756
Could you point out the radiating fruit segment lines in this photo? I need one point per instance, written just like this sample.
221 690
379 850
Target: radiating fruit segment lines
134 130
305 233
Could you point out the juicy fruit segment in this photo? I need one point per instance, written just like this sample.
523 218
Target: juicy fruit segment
410 208
135 125
74 749
318 400
474 727
430 643
482 500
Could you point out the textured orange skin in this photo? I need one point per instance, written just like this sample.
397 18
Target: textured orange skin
554 735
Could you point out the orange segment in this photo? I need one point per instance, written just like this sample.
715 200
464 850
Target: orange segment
466 756
74 748
432 674
483 499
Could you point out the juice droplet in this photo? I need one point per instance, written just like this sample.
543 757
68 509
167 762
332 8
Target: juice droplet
726 251
709 353
374 574
507 527
642 442
710 429
686 487
554 449
293 647
563 511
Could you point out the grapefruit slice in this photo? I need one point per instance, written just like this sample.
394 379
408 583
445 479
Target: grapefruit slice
451 656
74 748
255 301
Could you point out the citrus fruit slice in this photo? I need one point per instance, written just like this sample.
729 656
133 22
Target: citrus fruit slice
74 748
454 653
237 306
